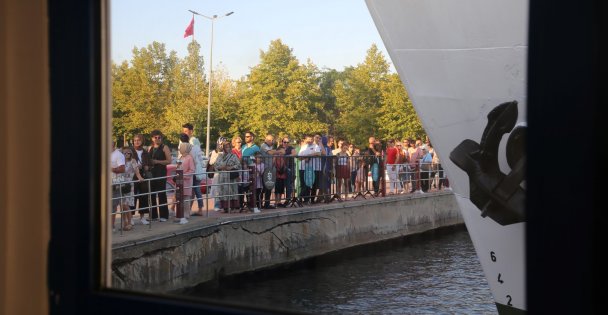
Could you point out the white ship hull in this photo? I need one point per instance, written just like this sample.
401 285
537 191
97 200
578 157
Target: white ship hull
459 60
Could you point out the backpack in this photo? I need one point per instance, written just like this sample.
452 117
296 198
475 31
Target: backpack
280 165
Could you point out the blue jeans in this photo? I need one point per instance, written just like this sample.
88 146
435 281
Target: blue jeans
196 190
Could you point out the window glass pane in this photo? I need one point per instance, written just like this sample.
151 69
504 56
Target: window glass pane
268 154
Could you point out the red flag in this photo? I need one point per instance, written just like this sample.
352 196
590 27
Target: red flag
189 29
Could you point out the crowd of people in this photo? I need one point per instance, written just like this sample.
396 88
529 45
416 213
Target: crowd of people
248 177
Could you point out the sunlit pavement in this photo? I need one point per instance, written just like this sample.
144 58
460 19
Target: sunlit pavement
145 233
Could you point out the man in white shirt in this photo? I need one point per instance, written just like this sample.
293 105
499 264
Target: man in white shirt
306 151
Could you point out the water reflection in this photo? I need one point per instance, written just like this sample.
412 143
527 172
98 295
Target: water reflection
426 274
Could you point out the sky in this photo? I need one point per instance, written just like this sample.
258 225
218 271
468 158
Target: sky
331 33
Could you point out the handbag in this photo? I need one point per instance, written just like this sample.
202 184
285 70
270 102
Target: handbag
147 175
269 177
143 185
210 170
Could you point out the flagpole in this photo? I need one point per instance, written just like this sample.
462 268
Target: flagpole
209 99
210 83
196 64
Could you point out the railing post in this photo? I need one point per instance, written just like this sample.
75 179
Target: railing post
207 188
382 171
255 187
417 176
149 202
179 194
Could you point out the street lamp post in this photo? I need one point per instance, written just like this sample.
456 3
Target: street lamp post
212 19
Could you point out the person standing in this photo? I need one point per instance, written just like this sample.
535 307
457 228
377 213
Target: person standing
342 171
249 149
237 148
188 166
338 148
425 168
373 153
331 144
406 173
353 165
392 168
327 171
131 171
306 169
285 169
212 159
117 164
268 151
161 157
145 164
227 163
316 165
197 157
400 161
414 163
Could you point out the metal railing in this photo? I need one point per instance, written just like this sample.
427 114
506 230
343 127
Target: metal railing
284 181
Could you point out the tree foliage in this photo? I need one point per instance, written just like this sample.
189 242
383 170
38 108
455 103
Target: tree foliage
398 118
159 90
359 97
282 96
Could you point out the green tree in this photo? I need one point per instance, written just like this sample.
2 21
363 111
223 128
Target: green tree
359 97
188 101
330 112
282 96
141 91
397 116
121 103
224 114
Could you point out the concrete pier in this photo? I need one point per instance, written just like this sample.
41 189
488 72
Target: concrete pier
177 257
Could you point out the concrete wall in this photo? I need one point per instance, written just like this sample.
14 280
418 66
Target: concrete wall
248 243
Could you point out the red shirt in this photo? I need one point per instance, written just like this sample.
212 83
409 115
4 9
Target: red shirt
238 153
391 155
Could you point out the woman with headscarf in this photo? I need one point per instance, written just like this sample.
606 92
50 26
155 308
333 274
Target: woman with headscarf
210 168
186 165
226 163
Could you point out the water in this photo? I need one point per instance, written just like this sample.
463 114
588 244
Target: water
432 273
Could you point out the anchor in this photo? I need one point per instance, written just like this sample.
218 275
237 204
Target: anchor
499 196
